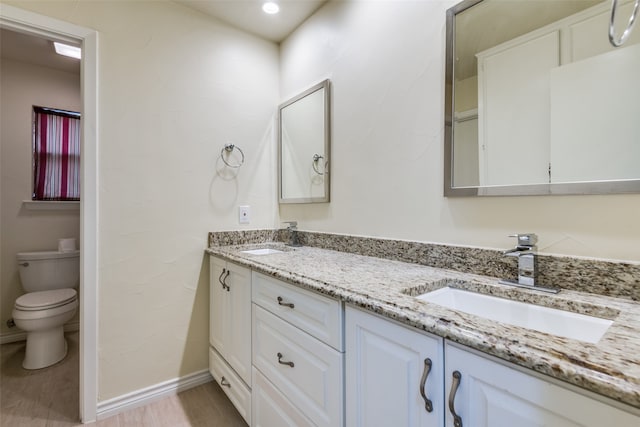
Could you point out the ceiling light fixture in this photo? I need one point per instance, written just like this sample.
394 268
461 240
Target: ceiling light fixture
270 7
67 50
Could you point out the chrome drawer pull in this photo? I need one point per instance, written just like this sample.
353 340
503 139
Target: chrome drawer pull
283 363
224 382
24 264
428 405
286 304
457 420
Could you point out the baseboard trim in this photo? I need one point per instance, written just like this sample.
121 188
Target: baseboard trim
150 394
21 335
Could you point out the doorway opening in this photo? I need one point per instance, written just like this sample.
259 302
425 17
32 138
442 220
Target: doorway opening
28 23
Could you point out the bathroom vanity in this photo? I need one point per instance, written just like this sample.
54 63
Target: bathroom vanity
343 339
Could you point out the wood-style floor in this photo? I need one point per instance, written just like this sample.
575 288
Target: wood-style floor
49 398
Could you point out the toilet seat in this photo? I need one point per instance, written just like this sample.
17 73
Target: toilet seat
45 300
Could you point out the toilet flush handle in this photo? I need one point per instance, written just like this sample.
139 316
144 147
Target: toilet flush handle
24 264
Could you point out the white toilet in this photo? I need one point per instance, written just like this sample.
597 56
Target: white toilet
51 279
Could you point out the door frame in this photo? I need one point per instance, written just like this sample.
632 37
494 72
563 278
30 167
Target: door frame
26 22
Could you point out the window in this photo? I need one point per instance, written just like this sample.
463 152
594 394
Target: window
56 154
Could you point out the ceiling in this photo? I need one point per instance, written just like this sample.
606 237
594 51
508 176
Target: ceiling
248 16
34 50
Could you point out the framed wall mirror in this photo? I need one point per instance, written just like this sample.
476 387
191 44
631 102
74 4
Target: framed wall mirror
304 141
537 101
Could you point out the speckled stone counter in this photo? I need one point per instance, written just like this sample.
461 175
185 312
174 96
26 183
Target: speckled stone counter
604 277
611 367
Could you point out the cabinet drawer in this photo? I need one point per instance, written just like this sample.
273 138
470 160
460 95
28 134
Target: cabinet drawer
304 369
315 314
271 408
236 390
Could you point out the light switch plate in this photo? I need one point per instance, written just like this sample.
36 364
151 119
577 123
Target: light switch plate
244 214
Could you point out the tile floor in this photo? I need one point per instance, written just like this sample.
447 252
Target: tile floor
49 398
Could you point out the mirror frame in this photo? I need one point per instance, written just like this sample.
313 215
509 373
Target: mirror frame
326 85
568 188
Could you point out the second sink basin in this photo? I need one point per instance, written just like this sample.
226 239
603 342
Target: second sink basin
543 319
262 251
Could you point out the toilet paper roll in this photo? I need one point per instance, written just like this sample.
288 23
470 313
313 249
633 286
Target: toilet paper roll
66 245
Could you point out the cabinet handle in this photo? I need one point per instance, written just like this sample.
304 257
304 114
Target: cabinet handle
286 304
428 405
224 382
223 280
283 363
224 270
457 420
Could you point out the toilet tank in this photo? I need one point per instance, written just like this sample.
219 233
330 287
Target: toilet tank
43 271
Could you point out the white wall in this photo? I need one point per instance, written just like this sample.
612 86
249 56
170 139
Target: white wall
386 63
22 86
174 86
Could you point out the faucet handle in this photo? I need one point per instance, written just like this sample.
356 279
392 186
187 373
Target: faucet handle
526 239
292 224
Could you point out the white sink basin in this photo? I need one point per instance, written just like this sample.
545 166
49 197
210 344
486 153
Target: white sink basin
543 319
262 251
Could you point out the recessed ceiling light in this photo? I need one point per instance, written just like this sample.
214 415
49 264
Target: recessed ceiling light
67 50
270 7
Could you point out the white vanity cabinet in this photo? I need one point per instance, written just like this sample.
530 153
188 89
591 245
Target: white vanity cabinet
297 356
289 357
385 377
230 331
394 375
490 393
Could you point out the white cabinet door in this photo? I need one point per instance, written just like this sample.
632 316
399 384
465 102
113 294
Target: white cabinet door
385 371
218 316
513 111
591 102
239 314
585 34
230 315
490 394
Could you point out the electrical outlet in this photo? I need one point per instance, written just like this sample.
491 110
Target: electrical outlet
244 214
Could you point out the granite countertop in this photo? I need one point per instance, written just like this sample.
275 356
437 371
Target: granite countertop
610 367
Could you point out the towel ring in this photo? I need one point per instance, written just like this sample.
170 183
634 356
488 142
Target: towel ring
627 32
228 148
316 158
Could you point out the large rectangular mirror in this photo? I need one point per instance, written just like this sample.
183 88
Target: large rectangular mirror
304 146
537 101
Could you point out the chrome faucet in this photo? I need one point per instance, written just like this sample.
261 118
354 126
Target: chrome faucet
526 251
293 233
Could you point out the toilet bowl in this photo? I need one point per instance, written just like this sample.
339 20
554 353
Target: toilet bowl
51 300
43 315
